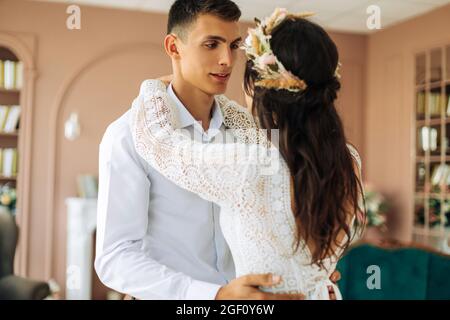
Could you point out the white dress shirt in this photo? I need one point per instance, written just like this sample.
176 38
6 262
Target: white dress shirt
156 240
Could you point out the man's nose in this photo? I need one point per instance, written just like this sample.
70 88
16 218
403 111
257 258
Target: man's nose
226 58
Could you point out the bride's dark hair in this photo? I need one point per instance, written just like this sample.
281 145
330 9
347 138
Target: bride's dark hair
312 139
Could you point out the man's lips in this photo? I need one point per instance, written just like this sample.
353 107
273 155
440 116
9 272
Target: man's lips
221 76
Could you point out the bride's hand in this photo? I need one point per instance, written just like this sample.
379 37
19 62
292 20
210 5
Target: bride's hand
247 287
335 277
166 79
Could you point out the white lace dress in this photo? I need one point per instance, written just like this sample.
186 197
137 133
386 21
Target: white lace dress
253 193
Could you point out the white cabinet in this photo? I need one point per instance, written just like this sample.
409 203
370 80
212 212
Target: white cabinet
81 225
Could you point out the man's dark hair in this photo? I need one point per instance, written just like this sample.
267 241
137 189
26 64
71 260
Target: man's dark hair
184 12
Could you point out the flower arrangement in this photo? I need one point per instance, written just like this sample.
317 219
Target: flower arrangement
376 208
434 213
8 198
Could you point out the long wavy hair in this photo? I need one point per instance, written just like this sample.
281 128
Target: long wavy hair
312 139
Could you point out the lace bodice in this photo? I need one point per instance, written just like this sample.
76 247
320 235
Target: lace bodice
248 179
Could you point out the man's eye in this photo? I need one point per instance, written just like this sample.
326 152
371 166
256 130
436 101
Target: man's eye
211 45
235 46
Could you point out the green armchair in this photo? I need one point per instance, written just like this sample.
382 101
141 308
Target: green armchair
13 287
406 272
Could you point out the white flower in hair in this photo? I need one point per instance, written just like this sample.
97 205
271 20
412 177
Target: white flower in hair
272 73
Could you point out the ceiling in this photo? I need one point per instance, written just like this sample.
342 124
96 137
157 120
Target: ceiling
339 15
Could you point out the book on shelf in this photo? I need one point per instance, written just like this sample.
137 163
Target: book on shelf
9 162
448 106
9 118
434 103
428 139
441 175
8 78
2 74
1 161
12 119
421 103
11 75
4 110
19 75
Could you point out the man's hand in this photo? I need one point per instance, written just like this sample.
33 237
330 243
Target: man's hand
166 79
246 288
335 277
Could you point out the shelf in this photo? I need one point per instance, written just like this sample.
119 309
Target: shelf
435 121
432 85
421 87
435 84
431 195
9 134
434 231
2 178
421 122
432 121
435 158
3 90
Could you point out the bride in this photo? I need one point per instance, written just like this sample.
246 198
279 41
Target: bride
296 218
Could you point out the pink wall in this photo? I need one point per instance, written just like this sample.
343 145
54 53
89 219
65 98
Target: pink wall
96 72
389 110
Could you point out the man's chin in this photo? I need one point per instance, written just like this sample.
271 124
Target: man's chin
217 90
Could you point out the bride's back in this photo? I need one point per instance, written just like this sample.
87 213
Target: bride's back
326 185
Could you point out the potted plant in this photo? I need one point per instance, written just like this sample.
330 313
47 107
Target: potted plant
8 198
376 210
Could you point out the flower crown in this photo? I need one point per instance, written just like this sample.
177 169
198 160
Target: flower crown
272 73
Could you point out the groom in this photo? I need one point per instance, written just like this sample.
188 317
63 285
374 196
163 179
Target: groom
154 239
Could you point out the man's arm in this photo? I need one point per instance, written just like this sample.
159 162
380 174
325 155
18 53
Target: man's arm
122 221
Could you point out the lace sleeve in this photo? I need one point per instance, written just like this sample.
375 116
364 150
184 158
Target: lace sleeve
355 155
357 158
215 171
240 122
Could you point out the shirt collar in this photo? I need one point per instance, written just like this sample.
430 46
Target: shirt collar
186 119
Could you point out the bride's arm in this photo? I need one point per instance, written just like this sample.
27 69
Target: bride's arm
215 171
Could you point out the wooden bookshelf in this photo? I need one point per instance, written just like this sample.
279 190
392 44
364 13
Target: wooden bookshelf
432 147
9 97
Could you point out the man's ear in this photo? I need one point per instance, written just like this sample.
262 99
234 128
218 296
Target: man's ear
171 46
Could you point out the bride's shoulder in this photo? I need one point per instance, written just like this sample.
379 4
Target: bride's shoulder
151 85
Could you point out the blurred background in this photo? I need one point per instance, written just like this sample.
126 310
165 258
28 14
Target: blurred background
61 84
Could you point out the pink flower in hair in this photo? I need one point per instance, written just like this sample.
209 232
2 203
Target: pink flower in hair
267 59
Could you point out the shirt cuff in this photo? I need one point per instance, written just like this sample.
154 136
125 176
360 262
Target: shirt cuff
200 290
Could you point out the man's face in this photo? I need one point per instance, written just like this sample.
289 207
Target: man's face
208 53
